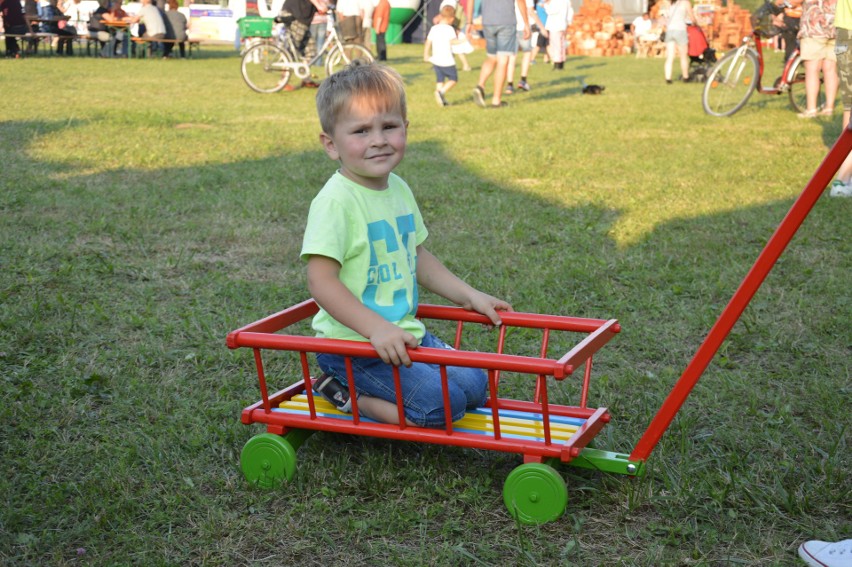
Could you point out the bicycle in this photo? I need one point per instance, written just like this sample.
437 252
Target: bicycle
739 73
267 66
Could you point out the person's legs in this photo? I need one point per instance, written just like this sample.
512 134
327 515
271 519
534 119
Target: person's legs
684 61
421 385
844 67
670 55
500 71
488 67
830 82
381 47
510 74
812 68
464 61
526 59
507 45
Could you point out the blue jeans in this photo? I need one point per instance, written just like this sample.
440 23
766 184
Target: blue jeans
422 395
500 40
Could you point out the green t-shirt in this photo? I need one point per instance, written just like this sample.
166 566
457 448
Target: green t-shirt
373 235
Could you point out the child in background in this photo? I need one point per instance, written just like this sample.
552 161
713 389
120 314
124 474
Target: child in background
559 15
439 43
462 46
365 255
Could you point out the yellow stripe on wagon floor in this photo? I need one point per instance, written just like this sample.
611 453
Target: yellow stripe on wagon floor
482 423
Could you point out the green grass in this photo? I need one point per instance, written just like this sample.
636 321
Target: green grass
149 207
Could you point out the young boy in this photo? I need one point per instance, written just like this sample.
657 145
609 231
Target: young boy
365 257
440 43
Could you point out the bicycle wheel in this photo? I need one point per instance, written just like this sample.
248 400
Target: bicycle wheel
798 97
337 59
264 69
729 84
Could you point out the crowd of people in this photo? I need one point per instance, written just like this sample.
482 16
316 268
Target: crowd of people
66 20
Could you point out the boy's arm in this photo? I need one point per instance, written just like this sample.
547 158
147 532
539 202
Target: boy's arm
426 47
437 278
389 340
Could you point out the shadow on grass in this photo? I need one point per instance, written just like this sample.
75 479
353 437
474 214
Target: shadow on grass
119 288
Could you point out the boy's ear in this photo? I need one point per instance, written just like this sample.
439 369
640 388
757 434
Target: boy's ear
328 146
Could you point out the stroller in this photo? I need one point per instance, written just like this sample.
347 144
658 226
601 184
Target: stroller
701 55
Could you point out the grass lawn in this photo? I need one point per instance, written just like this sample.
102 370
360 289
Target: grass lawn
149 207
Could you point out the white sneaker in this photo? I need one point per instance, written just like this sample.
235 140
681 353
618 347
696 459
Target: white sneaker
826 554
840 189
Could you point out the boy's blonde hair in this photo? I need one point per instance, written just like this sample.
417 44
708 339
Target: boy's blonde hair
448 12
360 79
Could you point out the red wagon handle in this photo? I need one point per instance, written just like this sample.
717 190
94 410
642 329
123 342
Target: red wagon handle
741 298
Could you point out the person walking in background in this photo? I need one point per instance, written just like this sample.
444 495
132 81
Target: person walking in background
350 17
790 27
816 41
559 16
498 27
297 16
380 24
438 50
461 46
319 29
540 40
677 39
367 8
842 186
525 46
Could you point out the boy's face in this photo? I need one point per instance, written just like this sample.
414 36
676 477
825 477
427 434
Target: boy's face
368 142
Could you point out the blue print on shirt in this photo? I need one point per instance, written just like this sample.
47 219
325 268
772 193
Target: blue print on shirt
385 273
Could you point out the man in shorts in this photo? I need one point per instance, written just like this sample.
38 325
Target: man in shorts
842 186
498 28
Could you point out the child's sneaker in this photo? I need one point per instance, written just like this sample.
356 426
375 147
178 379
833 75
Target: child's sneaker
523 85
334 392
840 189
510 89
825 554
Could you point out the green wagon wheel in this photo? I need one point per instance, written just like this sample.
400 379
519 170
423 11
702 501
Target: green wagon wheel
534 493
268 460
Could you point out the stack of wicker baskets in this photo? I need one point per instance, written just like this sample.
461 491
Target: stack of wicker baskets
596 32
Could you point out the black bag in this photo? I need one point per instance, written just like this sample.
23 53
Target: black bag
663 36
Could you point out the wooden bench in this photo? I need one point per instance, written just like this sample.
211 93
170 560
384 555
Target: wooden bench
32 41
146 46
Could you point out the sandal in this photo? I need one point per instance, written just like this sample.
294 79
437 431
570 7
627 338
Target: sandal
808 114
827 111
